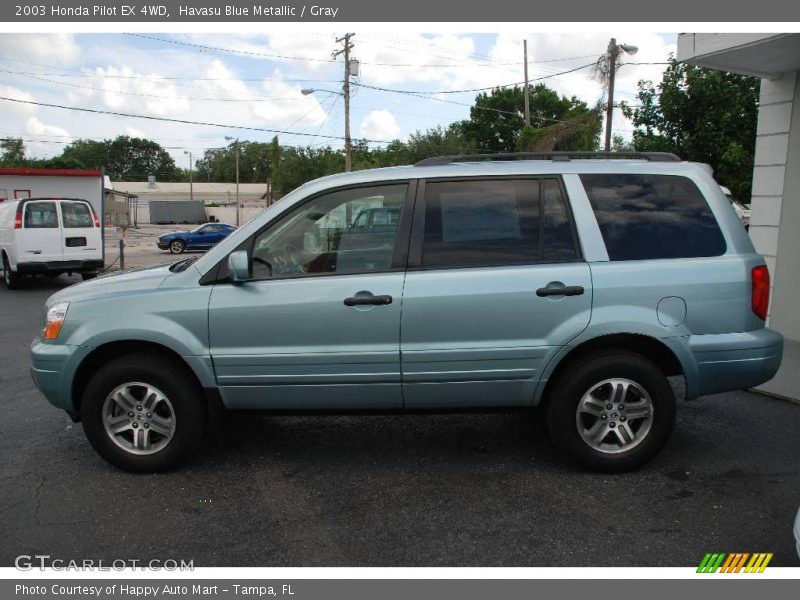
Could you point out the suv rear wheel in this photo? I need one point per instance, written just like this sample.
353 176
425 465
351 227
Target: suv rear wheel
143 414
10 279
611 412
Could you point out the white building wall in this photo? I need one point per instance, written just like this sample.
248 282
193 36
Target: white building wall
87 188
777 104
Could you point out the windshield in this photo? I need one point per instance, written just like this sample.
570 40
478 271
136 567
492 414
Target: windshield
198 228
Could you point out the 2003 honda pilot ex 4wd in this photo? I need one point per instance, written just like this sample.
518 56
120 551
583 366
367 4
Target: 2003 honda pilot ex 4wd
576 284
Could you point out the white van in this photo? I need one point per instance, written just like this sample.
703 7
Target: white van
49 236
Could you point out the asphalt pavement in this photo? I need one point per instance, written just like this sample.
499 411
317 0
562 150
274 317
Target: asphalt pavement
417 490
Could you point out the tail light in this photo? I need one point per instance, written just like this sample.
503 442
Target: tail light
760 291
18 217
95 219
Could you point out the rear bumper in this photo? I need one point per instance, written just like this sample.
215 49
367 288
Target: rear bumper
735 361
59 266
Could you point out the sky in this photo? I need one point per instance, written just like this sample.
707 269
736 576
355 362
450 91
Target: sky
256 81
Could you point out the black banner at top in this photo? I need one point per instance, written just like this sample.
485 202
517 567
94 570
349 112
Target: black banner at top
344 11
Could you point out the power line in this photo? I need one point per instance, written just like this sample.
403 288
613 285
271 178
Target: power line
181 121
481 89
142 94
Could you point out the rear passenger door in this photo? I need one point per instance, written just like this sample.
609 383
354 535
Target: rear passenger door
495 284
39 240
80 233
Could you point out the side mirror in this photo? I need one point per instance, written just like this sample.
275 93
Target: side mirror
239 266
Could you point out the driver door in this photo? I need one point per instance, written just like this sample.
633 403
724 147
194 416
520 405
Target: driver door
317 326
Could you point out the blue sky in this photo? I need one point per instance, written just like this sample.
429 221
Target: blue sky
256 80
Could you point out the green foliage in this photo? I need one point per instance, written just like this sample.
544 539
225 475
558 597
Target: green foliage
701 115
12 152
124 158
497 121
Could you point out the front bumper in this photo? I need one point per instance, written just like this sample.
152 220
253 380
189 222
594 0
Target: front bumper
52 369
59 266
735 361
162 245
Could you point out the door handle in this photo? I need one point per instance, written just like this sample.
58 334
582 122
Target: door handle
565 290
367 300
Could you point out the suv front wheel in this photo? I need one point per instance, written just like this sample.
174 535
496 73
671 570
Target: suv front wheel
611 412
143 413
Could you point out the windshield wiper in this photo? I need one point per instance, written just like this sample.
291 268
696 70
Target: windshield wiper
182 265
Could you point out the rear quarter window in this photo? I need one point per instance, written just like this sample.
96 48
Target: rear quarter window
652 216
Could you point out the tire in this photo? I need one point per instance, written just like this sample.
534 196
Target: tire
88 276
177 246
169 430
611 440
11 280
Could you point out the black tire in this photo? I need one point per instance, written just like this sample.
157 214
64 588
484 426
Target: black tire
177 246
179 386
569 389
88 276
11 280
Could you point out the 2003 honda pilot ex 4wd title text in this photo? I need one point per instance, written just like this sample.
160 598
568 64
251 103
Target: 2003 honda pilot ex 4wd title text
576 284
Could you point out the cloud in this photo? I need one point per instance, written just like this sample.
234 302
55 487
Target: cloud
59 48
379 125
36 127
15 107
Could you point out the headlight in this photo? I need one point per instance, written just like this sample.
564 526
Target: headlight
54 320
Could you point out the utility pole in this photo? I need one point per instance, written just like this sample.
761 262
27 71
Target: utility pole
191 168
346 47
613 53
527 97
237 182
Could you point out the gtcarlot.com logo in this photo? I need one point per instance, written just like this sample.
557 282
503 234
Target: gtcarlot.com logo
736 562
27 562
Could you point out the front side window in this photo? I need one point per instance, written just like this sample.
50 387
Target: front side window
653 216
331 234
76 214
40 215
496 222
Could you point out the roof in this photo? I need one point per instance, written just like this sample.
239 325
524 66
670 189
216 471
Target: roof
49 172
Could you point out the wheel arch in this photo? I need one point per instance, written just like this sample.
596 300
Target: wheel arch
105 353
655 350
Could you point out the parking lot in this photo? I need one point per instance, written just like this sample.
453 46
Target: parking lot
444 490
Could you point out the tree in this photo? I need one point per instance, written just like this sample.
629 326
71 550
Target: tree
13 152
701 115
497 119
125 158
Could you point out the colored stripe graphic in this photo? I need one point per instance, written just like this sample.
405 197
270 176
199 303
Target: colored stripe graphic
734 562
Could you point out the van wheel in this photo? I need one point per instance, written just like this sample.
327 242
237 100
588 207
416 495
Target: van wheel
612 412
143 414
10 279
177 247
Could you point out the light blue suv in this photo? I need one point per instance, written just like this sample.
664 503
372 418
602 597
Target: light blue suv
577 283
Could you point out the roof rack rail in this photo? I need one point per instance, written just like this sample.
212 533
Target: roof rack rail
557 156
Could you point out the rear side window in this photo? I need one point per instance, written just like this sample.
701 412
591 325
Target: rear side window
496 222
76 214
40 215
653 216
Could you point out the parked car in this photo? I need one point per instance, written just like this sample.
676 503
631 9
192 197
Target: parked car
557 281
201 237
49 236
742 210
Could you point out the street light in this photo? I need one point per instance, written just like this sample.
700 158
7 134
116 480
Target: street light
614 50
229 139
191 168
346 96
